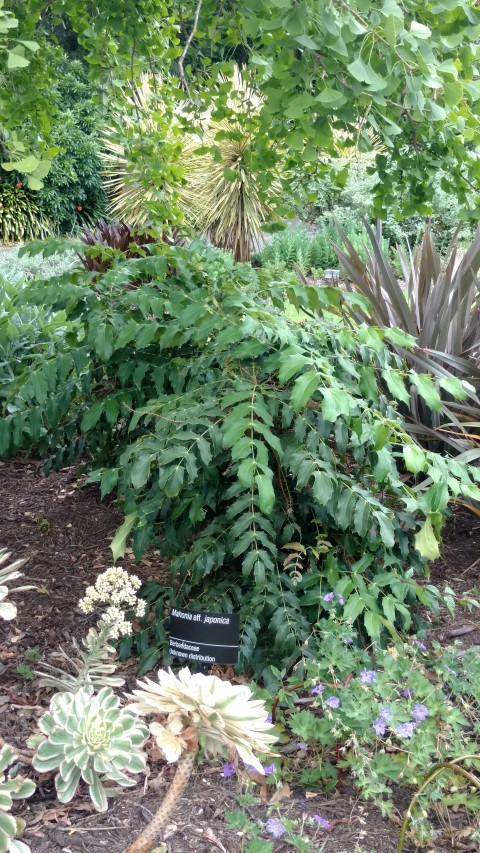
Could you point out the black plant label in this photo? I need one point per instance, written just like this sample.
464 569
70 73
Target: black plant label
205 638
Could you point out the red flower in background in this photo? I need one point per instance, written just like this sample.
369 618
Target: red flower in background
19 184
79 207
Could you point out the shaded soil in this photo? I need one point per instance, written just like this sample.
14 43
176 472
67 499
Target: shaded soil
64 531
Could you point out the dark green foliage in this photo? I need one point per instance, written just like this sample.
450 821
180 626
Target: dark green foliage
20 215
73 192
236 435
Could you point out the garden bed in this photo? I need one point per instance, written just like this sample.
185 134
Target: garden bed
65 531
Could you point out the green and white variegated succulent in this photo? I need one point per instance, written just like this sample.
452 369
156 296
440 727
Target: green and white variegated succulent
90 665
11 788
90 737
8 573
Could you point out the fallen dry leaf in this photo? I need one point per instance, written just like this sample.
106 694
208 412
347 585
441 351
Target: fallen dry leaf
210 836
282 793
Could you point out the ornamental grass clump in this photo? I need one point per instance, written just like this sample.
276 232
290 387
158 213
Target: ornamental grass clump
90 738
198 708
12 787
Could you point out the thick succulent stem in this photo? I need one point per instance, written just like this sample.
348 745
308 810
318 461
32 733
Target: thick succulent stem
145 841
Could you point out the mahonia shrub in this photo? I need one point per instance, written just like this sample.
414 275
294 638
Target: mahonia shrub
261 453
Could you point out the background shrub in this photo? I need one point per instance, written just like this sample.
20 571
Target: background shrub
312 251
21 217
318 198
14 268
73 193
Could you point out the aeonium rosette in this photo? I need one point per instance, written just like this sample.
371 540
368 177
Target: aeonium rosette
197 706
13 786
90 737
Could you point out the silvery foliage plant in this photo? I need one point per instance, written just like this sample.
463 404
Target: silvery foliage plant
9 572
89 737
11 788
90 667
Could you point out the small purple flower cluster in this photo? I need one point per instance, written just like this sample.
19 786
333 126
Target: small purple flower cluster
277 829
405 730
330 596
325 824
229 769
368 676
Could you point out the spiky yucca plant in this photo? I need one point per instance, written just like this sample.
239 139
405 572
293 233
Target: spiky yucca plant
140 154
198 707
12 787
90 737
8 610
220 194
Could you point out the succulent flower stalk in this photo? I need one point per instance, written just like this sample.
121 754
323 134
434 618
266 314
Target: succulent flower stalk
145 841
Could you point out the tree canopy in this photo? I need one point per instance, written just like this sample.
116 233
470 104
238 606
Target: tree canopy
399 73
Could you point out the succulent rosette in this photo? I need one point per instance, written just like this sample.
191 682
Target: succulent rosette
90 737
221 712
9 572
11 788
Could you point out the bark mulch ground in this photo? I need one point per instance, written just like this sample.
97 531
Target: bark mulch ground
64 530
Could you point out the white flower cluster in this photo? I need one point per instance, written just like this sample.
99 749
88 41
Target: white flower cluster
117 589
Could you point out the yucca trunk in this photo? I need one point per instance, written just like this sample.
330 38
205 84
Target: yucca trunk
145 841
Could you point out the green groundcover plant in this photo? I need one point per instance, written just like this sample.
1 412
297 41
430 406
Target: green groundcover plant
261 454
379 717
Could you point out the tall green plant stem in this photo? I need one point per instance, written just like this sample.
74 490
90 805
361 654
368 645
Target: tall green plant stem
432 774
144 843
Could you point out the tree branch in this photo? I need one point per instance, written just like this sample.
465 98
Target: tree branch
188 42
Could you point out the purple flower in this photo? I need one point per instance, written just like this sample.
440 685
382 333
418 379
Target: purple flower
406 730
368 676
270 769
379 726
275 827
385 713
228 770
420 645
348 641
250 768
408 693
325 824
318 689
332 702
340 599
420 712
301 746
268 719
329 596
